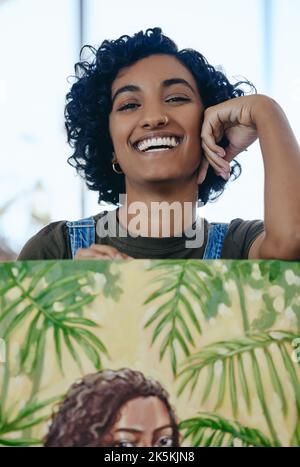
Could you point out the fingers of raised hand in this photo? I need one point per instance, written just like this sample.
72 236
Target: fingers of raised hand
215 156
213 130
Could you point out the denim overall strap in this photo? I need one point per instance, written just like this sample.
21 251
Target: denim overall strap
82 234
216 235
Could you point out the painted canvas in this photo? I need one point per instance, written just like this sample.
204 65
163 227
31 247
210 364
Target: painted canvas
206 351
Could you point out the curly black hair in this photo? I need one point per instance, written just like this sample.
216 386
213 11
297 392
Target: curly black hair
89 104
92 406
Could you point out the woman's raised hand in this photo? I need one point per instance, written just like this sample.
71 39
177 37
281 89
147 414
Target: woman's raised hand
233 119
100 252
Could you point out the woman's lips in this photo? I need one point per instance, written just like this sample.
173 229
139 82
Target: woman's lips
158 151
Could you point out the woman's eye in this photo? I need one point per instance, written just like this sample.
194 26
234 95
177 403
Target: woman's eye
128 106
133 105
178 99
124 444
165 442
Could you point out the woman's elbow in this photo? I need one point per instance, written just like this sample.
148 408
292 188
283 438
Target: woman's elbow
286 248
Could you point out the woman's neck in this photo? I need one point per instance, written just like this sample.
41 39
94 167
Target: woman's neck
164 213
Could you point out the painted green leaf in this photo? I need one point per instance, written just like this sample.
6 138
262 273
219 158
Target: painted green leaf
232 353
213 430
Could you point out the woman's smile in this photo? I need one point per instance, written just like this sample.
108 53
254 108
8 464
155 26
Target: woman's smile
158 146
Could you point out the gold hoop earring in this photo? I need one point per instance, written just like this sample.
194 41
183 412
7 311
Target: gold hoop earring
114 168
114 163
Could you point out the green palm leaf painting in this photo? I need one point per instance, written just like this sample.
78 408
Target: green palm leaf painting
209 430
27 417
55 306
176 318
226 334
48 299
229 356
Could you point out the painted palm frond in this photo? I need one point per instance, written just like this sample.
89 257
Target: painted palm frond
28 417
227 360
210 430
278 283
51 302
296 435
93 269
257 276
257 273
267 315
200 280
176 319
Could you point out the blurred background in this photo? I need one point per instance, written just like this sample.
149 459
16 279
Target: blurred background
40 42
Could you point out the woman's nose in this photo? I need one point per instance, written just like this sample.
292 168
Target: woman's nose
145 442
154 121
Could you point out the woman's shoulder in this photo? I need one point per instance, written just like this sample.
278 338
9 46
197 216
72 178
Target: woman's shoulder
240 236
51 242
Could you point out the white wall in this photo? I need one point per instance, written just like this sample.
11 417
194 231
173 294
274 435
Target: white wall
38 48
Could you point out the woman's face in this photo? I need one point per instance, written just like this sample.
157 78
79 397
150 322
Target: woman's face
142 422
156 97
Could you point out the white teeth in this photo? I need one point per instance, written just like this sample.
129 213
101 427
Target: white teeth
165 141
158 149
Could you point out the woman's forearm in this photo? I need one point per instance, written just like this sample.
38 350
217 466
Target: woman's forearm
281 156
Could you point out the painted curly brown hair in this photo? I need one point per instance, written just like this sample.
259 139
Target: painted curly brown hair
92 405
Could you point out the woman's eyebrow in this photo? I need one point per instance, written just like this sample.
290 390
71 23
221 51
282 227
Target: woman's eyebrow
163 428
165 84
171 81
136 430
129 430
128 87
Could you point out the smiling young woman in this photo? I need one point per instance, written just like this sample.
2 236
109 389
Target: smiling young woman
163 127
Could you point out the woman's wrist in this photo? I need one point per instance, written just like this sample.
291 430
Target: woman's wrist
265 111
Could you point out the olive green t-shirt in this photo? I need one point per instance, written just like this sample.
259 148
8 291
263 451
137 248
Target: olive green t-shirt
52 242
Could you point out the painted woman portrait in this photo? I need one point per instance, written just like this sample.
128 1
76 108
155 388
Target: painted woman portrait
162 125
114 409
